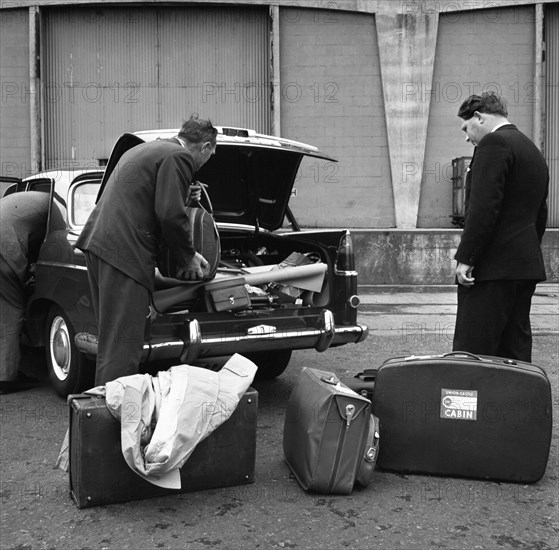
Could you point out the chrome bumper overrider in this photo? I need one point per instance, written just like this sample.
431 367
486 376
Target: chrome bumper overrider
194 344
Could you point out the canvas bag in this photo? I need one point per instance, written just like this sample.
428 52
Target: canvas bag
328 441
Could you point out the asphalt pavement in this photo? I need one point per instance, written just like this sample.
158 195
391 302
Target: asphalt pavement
406 512
416 310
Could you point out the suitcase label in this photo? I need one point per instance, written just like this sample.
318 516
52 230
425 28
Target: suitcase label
458 404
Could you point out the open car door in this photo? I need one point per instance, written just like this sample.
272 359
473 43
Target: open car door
11 185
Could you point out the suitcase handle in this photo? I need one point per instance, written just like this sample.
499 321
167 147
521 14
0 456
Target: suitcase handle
330 379
467 353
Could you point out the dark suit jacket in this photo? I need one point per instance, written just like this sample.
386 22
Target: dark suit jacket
23 224
142 206
505 209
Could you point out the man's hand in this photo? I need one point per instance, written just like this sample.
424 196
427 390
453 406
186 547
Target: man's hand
196 191
464 274
194 270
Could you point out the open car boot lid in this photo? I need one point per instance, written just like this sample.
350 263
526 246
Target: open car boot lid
249 178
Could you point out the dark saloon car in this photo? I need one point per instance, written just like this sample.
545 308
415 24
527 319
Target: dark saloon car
250 180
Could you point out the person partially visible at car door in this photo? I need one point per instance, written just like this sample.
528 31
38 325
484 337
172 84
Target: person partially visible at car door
141 207
23 224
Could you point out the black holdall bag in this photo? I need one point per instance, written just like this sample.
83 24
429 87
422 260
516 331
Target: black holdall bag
205 238
330 437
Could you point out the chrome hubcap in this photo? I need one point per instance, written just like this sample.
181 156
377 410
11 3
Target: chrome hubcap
60 348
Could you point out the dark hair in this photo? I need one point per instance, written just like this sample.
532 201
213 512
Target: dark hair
197 130
487 102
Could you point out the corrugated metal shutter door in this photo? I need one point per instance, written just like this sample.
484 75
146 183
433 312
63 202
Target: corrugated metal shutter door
14 107
216 64
114 70
552 110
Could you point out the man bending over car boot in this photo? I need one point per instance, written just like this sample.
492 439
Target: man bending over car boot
23 224
143 204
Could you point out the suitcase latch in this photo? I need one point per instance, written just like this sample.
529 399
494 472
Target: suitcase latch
349 412
371 454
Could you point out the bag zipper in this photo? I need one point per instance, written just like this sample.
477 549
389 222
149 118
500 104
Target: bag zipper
349 411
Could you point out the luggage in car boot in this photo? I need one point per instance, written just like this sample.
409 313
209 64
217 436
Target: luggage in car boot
100 475
464 415
330 437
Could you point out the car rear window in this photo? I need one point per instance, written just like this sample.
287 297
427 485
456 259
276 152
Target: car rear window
83 201
44 186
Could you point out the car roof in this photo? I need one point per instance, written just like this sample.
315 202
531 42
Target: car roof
64 179
66 174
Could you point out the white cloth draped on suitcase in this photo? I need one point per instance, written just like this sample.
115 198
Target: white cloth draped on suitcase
164 417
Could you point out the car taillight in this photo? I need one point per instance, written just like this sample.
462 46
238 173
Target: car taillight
345 261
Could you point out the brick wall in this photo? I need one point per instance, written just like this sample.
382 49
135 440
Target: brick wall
332 98
14 104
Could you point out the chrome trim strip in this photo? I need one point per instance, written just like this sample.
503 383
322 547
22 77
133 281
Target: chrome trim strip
63 265
254 337
328 330
345 273
163 345
193 343
337 335
214 346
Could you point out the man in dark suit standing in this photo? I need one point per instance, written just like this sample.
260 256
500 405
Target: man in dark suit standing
499 256
141 207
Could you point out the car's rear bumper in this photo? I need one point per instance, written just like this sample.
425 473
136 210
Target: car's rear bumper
194 344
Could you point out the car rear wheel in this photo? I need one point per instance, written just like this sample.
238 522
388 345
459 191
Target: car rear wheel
271 364
69 370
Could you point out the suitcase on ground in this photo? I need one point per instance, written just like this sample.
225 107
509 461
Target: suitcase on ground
329 438
99 474
464 415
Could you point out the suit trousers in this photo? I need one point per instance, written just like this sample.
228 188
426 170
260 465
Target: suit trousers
493 318
12 312
121 307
